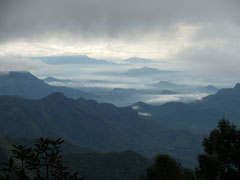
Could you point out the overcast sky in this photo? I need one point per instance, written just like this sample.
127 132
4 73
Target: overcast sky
203 34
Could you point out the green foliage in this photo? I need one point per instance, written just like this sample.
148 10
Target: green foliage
4 151
127 165
222 158
167 168
43 162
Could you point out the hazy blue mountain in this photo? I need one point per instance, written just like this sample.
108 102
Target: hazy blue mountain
184 88
101 127
225 95
200 116
120 96
29 86
166 92
52 79
126 165
168 85
101 82
131 91
209 89
126 96
146 71
57 60
136 60
122 91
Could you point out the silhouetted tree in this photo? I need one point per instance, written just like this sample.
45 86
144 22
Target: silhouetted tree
43 162
222 158
167 168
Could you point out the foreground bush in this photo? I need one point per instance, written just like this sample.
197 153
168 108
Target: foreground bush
42 162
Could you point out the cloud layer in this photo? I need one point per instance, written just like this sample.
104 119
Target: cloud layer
202 34
19 64
109 18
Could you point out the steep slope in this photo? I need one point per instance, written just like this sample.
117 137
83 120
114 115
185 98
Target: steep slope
101 127
27 85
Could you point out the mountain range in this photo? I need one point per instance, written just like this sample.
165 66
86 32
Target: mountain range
200 116
52 79
101 127
25 84
90 165
60 60
182 88
171 128
147 71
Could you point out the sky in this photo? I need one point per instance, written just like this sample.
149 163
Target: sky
201 35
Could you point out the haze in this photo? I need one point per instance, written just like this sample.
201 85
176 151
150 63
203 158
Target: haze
200 39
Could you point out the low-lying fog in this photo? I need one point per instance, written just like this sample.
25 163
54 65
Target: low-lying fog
128 81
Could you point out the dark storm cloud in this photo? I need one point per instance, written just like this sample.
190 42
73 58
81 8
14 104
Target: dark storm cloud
30 19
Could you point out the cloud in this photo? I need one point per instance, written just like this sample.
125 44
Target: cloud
19 64
31 19
202 34
213 56
144 114
161 99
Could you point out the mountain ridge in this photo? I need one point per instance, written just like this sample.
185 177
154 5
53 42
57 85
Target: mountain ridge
29 86
199 116
98 126
61 60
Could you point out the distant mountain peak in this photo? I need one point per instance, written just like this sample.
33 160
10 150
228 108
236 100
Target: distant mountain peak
16 75
81 59
50 79
168 92
139 105
210 89
148 68
56 97
144 71
29 86
165 83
